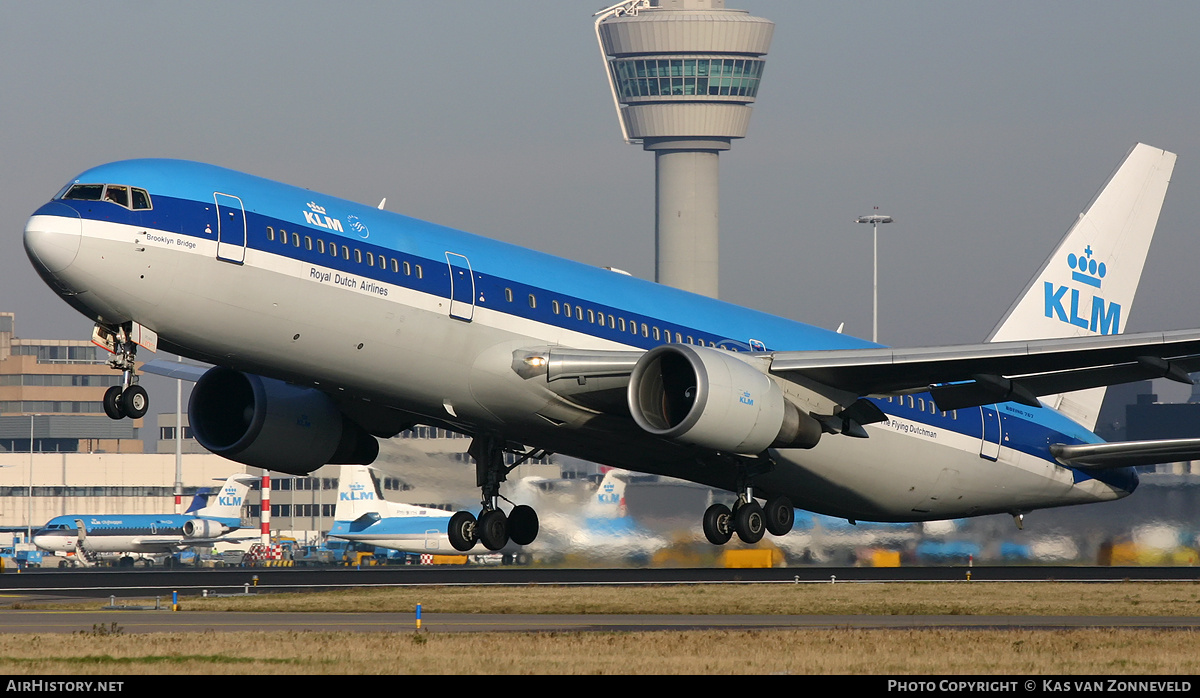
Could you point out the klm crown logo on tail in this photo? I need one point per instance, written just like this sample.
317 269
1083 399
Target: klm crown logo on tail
1066 304
229 497
608 494
356 492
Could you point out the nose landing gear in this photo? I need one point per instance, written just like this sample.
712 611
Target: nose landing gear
128 399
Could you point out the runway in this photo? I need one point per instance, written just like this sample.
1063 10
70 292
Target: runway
134 583
35 621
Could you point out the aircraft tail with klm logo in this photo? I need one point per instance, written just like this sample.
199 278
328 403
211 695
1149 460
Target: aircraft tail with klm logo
358 494
226 502
1086 286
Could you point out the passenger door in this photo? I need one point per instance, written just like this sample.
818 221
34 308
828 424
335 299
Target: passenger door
462 287
231 228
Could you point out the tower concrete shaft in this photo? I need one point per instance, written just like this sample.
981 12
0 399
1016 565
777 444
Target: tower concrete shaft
683 74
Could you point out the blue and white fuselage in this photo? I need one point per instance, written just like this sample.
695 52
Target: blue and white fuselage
402 321
135 533
210 518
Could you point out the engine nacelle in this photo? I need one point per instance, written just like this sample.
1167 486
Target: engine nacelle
712 398
204 528
273 425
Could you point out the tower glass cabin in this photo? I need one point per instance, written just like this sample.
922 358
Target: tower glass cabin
683 74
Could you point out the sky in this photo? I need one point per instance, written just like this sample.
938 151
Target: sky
984 128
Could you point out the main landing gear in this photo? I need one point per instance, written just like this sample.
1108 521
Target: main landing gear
747 518
128 399
493 528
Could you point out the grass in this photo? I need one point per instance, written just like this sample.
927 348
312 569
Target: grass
911 652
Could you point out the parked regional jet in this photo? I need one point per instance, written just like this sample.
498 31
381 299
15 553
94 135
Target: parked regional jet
209 520
331 324
362 515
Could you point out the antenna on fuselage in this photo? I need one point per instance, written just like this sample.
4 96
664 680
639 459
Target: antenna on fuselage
381 203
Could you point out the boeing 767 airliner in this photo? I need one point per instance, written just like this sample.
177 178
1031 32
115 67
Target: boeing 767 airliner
331 324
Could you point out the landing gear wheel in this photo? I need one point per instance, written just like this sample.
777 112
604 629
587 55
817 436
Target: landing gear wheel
135 402
780 515
522 525
749 523
112 403
492 529
717 528
462 531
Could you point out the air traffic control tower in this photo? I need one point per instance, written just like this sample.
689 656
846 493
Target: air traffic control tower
683 75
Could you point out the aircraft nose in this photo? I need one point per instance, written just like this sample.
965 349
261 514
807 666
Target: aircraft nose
52 237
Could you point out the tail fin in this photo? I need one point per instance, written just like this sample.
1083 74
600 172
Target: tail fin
199 500
358 494
227 502
609 500
1087 285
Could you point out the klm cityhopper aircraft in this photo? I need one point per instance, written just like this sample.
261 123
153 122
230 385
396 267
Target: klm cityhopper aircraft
362 515
331 324
208 520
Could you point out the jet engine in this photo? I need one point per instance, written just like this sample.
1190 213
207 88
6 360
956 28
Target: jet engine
274 425
204 528
713 398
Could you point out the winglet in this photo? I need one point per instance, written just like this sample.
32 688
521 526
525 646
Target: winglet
1087 285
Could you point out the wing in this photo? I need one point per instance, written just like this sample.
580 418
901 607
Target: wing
978 374
175 369
823 391
958 376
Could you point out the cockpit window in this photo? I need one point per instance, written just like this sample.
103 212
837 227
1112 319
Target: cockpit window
141 200
119 194
85 192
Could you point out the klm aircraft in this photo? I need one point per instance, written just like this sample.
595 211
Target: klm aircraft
362 515
331 324
209 520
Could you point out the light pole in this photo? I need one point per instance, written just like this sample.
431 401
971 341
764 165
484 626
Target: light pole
29 498
874 219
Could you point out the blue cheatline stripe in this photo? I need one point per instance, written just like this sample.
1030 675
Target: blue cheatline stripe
139 522
394 526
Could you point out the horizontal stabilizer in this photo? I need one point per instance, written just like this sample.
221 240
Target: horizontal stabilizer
1123 454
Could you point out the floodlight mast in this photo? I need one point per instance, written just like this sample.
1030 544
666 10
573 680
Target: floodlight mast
874 219
683 74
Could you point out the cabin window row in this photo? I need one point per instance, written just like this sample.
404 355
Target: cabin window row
345 252
594 317
920 404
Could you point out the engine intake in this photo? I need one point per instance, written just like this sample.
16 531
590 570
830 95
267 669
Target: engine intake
715 399
270 424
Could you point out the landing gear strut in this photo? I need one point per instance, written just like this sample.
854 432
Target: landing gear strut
748 519
493 527
128 399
